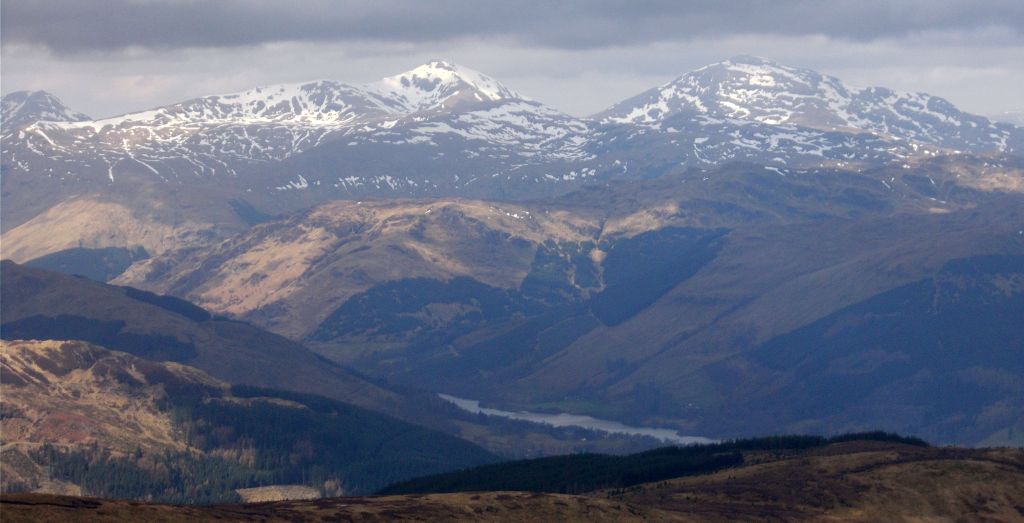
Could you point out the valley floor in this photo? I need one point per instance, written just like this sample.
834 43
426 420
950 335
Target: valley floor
852 481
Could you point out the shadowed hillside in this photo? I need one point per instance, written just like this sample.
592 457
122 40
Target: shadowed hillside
38 304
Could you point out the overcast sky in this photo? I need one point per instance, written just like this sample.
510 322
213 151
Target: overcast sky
106 57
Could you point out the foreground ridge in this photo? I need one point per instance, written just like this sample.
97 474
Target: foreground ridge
853 480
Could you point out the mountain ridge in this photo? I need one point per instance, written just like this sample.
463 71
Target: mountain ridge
442 130
760 90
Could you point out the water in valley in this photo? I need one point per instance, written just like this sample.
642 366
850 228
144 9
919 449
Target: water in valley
576 420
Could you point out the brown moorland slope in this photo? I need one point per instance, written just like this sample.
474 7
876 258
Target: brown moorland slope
110 424
851 481
288 274
70 392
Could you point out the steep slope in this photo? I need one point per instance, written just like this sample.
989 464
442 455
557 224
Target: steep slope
439 85
290 274
507 149
684 356
215 133
233 159
73 393
136 418
954 338
170 219
754 110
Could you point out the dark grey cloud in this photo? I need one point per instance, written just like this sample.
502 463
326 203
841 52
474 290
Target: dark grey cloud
90 26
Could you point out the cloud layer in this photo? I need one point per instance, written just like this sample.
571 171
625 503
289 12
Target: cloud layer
80 26
105 57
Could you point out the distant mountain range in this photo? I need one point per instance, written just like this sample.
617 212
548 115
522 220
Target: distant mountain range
689 297
716 255
443 130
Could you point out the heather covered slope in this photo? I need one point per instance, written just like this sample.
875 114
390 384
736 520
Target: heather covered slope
151 430
853 481
75 393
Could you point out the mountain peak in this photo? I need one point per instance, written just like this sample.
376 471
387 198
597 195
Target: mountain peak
439 84
744 69
440 65
22 107
747 59
752 89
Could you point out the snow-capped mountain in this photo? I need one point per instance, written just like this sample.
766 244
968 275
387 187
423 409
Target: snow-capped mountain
751 89
439 85
231 134
270 123
22 107
444 130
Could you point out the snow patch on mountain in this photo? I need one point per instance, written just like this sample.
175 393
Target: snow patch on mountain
752 89
443 129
